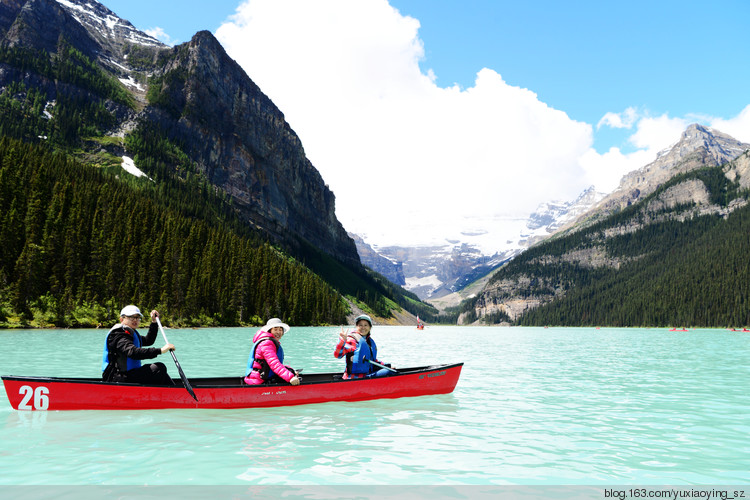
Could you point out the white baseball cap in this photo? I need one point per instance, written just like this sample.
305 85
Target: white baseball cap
130 310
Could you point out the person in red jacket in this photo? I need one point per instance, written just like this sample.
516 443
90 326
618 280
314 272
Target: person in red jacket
360 349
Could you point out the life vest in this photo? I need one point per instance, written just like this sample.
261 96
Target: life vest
366 349
265 369
132 363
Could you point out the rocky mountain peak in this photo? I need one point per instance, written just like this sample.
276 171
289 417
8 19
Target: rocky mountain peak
719 146
101 21
241 141
39 24
698 147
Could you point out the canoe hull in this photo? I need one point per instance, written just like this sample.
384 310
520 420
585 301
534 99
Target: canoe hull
50 394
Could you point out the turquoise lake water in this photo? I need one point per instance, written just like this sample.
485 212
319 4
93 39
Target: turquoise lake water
533 406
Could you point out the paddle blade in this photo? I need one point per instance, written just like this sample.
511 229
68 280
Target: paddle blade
185 381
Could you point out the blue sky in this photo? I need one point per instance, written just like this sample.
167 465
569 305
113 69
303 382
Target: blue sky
583 90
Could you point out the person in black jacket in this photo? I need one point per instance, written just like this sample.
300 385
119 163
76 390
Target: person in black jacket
125 348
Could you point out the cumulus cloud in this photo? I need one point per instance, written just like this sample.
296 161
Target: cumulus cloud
397 150
161 35
738 127
408 160
626 119
657 133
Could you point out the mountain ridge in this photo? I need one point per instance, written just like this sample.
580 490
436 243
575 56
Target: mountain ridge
697 147
688 189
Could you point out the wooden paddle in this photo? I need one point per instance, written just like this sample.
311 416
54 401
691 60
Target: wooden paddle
179 368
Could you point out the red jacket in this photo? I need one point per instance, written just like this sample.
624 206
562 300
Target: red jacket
347 348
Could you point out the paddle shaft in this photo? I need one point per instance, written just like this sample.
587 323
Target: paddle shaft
381 366
185 381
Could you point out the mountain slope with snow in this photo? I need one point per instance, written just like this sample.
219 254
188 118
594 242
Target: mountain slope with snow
436 271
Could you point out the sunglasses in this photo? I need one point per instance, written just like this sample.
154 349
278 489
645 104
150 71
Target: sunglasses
134 317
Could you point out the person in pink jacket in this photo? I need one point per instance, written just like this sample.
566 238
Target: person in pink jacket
266 361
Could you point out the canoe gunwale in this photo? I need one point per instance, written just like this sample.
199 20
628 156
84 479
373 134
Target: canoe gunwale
205 382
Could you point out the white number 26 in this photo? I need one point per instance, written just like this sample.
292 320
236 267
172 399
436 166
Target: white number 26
38 398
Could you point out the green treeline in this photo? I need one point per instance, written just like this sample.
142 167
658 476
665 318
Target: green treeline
71 66
22 112
701 280
75 97
78 244
667 272
175 174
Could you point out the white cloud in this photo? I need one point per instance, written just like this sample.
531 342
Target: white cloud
606 170
161 35
409 161
397 150
738 127
657 133
626 119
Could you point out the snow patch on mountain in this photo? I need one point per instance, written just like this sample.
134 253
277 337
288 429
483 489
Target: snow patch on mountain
97 17
431 281
129 166
553 215
130 82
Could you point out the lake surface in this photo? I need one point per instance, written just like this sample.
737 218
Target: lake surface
533 406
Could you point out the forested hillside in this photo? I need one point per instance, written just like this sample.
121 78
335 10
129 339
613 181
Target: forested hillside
78 244
651 264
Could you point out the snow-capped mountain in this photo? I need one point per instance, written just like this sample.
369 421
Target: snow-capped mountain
438 270
102 21
556 214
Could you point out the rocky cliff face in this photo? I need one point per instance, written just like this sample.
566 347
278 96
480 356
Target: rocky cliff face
243 144
39 24
393 270
234 134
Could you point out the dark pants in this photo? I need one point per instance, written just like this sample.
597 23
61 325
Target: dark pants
152 374
275 379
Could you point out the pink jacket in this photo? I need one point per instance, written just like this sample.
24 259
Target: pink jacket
267 351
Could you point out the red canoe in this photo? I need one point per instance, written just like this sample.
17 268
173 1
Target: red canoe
41 393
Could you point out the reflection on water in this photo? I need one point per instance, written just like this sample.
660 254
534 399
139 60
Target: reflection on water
533 406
